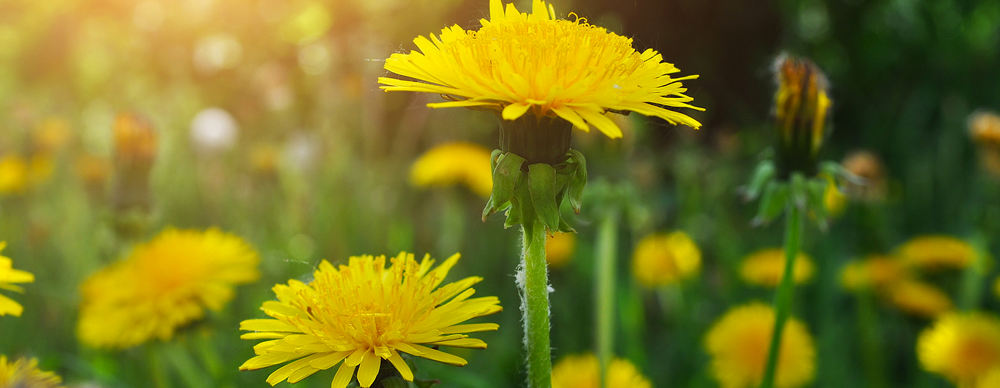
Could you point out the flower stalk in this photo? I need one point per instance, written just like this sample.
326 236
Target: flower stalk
535 306
783 296
606 276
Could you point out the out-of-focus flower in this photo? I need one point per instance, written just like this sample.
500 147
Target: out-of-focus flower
24 373
990 379
135 142
454 163
265 158
532 62
984 128
217 52
363 314
584 371
309 23
13 174
868 166
8 277
93 171
874 272
51 135
163 285
919 298
965 348
766 267
935 252
214 130
559 248
801 105
834 199
40 168
665 258
739 342
302 151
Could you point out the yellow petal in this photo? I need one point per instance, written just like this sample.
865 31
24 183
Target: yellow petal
400 364
440 356
515 110
369 369
343 377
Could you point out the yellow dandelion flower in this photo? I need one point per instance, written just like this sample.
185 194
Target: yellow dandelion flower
919 298
583 371
25 374
874 272
739 342
984 128
363 313
933 252
662 258
163 285
13 174
964 348
766 267
990 379
455 163
8 277
559 248
519 62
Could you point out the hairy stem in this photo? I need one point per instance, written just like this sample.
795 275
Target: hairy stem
536 307
783 297
605 276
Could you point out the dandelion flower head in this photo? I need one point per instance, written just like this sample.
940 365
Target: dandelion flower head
25 374
13 174
8 277
455 163
362 313
520 62
934 252
583 371
766 267
873 272
961 347
163 285
662 259
559 248
739 342
919 298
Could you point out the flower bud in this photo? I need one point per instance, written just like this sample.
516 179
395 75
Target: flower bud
801 105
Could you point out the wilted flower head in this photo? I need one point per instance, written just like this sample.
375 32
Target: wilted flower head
361 314
135 142
919 298
559 248
935 252
8 277
965 348
868 166
766 267
584 371
663 258
24 373
801 105
455 163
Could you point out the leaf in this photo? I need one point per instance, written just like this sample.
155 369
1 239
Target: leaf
763 174
505 177
574 190
772 203
542 188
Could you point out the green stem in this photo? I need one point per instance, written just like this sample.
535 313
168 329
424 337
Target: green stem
159 375
605 276
974 276
783 297
868 324
536 307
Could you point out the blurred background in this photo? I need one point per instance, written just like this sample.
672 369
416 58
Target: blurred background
263 118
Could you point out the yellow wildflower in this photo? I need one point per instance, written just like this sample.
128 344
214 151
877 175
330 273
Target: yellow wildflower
965 348
13 174
559 248
739 342
984 128
9 276
874 272
834 199
363 313
162 285
919 298
662 258
583 371
766 267
25 374
933 252
455 163
519 62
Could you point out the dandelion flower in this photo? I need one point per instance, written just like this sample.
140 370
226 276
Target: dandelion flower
766 267
919 298
163 285
583 371
559 248
363 313
455 163
933 252
9 276
13 174
739 342
25 374
662 259
801 107
964 348
873 272
984 128
520 62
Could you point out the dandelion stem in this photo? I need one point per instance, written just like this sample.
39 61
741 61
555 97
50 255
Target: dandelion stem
607 247
783 297
536 307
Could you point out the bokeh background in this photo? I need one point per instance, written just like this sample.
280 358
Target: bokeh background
270 125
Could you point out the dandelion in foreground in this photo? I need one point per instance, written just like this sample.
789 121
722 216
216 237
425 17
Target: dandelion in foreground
25 374
455 163
583 371
738 344
965 348
662 259
765 268
362 313
8 277
559 249
919 298
935 252
163 285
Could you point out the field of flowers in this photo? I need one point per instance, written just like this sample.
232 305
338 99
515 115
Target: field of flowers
479 194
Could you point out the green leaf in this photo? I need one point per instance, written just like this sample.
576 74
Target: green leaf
542 188
505 177
394 382
799 190
763 174
817 191
772 203
574 190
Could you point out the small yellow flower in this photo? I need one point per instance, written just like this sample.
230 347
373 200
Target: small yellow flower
520 62
919 298
834 199
965 348
51 135
455 163
984 128
9 276
739 342
662 259
559 248
583 371
25 374
363 313
13 174
933 252
766 267
163 285
874 272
